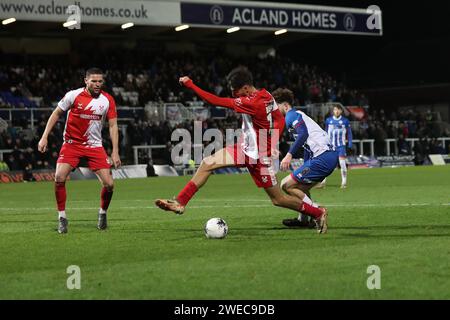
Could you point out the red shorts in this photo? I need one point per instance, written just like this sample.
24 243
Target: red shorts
261 170
72 153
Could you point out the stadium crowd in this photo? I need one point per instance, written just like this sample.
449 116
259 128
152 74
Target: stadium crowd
135 79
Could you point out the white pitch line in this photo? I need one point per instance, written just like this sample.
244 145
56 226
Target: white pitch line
362 205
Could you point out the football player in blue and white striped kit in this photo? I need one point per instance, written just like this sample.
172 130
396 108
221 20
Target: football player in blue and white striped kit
320 157
340 133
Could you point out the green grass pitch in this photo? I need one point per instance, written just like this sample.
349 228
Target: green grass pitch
397 219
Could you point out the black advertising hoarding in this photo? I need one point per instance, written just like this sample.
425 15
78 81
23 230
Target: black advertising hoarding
299 18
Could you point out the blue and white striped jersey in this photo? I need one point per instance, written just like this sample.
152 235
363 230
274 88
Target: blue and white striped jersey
339 131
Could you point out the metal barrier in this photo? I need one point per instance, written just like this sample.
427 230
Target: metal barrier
4 151
148 148
361 145
412 142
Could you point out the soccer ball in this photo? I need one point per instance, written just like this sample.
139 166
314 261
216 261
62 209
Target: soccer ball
216 228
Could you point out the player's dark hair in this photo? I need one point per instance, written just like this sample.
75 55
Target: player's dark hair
282 95
339 107
92 71
239 77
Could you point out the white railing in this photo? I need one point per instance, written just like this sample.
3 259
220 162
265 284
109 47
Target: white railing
4 151
149 150
412 142
361 143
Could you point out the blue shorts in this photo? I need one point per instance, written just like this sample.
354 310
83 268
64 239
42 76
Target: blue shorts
316 169
342 150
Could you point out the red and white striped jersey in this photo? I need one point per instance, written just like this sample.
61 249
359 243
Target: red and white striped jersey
86 115
257 123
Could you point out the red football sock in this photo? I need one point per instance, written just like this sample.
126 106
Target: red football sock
105 198
60 194
187 193
310 210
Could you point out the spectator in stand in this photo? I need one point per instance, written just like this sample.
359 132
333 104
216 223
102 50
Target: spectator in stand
403 146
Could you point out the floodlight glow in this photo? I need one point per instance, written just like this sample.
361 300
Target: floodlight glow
127 25
281 31
8 21
69 23
182 27
233 29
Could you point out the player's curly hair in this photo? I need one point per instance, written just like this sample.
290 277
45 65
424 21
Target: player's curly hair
239 77
283 95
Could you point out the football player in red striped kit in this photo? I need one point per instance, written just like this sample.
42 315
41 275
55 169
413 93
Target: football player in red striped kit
86 108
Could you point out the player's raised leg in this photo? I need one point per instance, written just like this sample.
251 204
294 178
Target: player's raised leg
220 159
62 172
105 177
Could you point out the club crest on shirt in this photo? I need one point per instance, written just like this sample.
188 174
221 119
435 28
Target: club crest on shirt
80 105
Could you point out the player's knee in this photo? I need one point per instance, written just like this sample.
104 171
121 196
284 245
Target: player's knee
285 185
109 185
277 201
60 178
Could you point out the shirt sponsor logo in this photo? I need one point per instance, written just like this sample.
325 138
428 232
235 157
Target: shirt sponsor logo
90 116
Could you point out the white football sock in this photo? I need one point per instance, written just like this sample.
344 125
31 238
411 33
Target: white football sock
62 214
343 165
307 200
101 211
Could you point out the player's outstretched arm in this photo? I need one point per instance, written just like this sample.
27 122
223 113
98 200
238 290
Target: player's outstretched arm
43 143
114 134
208 97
